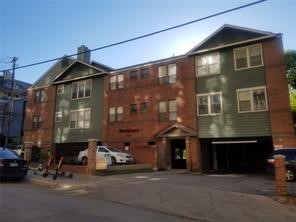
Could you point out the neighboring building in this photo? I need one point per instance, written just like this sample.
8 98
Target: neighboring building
224 105
17 116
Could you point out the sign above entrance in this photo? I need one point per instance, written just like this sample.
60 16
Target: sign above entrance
129 130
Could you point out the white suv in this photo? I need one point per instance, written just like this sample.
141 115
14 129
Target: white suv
117 156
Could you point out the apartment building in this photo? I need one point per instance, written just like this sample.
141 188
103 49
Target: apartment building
224 105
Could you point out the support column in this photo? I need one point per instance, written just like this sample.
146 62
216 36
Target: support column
91 153
28 151
280 175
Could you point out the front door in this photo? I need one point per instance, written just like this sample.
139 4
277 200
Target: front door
178 149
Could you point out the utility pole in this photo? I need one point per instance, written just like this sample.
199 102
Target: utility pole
14 59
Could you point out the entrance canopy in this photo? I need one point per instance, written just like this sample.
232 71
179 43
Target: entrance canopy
176 130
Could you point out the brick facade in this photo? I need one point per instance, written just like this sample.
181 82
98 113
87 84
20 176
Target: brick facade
138 129
278 95
42 136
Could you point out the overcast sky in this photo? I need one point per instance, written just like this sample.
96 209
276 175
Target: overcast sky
37 30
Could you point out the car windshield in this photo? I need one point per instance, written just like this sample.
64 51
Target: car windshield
8 154
113 149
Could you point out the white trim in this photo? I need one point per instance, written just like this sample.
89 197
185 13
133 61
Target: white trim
77 61
252 105
209 103
248 57
234 142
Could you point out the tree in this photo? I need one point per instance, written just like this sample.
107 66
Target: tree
290 59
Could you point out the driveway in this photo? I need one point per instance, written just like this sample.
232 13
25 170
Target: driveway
228 197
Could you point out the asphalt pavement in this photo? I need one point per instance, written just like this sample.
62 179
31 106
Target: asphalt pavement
200 197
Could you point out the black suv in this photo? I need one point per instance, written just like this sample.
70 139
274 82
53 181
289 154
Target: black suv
290 157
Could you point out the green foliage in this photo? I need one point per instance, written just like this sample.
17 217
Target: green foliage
293 101
290 59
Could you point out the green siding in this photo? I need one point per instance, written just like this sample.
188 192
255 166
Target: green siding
64 104
227 36
231 123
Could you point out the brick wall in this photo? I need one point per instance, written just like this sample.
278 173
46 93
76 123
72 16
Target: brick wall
41 137
140 128
277 92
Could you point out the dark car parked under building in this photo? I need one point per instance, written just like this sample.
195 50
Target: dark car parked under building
12 166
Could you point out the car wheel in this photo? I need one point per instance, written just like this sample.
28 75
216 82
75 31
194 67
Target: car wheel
113 160
84 160
290 175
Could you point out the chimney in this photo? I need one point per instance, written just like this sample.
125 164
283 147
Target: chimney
83 54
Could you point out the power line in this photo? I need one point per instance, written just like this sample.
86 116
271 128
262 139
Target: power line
144 36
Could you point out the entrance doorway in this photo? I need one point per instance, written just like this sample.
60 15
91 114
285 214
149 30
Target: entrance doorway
178 151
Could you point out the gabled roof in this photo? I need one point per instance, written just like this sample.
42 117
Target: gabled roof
53 72
176 130
89 70
228 35
101 66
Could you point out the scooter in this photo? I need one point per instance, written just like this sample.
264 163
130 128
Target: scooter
46 172
61 174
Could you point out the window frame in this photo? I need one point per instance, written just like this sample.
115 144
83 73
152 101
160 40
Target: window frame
251 89
208 95
165 115
133 75
247 48
40 97
133 108
117 116
144 107
206 56
58 117
144 73
167 78
77 112
60 89
78 85
37 124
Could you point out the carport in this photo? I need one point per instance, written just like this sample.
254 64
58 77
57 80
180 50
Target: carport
236 154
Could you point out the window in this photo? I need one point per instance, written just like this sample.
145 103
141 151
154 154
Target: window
144 107
37 122
80 119
116 82
60 89
167 110
133 108
144 73
209 104
39 95
81 89
208 64
248 57
252 99
133 75
167 74
116 114
58 116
